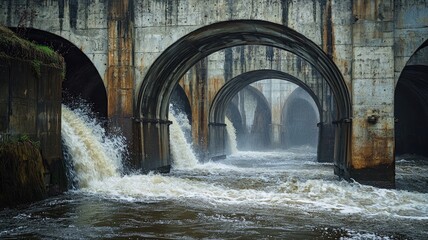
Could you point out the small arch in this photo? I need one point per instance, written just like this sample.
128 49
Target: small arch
304 115
258 136
233 86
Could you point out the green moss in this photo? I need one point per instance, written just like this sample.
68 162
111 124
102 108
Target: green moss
20 138
13 46
46 50
37 68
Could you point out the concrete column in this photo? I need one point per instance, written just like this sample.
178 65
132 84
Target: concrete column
198 91
372 160
120 70
275 135
217 137
155 145
326 142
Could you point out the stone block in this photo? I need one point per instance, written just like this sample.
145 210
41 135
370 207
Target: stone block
157 39
372 33
407 41
341 12
411 14
372 93
373 62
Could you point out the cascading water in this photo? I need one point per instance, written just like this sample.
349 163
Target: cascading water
181 151
94 155
232 146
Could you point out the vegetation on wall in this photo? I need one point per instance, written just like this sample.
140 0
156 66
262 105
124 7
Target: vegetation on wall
13 46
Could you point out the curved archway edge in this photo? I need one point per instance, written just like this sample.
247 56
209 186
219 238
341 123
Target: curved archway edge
233 86
169 67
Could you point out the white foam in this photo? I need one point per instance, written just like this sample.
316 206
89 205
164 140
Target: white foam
95 155
232 145
98 173
181 151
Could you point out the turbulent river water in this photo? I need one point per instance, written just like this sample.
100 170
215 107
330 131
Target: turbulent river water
248 195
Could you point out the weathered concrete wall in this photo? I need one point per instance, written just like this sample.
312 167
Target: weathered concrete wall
120 66
21 174
373 92
30 100
369 41
82 22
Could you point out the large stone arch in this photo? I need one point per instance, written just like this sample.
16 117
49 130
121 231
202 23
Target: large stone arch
411 105
171 65
82 80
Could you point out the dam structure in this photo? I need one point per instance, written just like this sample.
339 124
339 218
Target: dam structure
364 65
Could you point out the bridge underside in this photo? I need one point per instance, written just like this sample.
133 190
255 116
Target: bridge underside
169 68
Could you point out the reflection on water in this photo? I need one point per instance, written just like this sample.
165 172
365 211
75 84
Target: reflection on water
250 195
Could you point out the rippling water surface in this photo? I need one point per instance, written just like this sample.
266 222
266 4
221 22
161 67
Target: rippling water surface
249 195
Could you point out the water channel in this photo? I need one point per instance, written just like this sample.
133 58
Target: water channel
248 195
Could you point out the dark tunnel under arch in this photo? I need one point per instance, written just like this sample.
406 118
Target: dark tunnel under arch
411 105
82 80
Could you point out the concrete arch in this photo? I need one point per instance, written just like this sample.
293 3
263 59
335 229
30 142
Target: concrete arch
298 98
82 79
259 135
233 86
411 105
169 67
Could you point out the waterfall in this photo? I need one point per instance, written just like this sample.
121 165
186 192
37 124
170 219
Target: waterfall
94 156
181 151
231 146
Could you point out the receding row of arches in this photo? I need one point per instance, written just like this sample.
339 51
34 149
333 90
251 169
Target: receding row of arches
156 91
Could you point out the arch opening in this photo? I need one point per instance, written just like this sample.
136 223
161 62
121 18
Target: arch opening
299 120
169 67
411 105
256 119
229 95
82 80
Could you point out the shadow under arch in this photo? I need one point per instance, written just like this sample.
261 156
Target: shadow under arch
181 102
169 67
82 80
411 105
